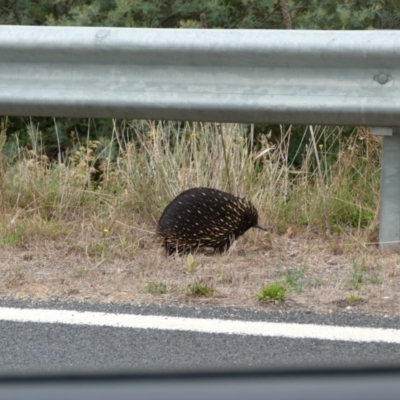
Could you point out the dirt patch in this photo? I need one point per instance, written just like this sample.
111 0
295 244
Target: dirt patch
320 276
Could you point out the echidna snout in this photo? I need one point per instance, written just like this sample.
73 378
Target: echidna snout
205 217
259 226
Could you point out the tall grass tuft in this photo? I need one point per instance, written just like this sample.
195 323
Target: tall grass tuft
122 181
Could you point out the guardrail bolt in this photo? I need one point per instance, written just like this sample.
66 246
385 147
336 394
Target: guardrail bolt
382 78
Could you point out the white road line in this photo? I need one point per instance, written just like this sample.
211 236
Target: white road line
236 327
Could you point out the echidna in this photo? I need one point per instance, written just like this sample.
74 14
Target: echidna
205 217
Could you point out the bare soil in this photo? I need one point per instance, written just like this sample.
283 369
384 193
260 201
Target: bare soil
322 276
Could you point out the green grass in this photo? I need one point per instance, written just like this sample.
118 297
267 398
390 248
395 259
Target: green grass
95 250
199 290
12 239
353 298
375 278
275 292
157 288
358 274
295 280
317 282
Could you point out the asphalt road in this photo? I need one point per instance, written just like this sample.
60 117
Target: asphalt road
47 347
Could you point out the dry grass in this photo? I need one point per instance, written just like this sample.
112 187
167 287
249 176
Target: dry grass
318 279
64 235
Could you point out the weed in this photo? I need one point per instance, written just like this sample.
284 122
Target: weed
318 282
357 276
199 290
157 288
191 263
375 278
19 270
224 276
12 239
221 275
81 271
353 298
274 292
295 279
17 274
95 250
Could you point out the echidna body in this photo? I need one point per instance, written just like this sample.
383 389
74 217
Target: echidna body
205 217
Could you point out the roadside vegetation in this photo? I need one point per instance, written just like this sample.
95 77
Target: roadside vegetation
79 198
109 193
81 224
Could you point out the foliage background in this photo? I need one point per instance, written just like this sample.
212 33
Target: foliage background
223 14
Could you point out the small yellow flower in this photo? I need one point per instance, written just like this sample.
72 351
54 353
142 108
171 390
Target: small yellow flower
105 230
192 135
321 146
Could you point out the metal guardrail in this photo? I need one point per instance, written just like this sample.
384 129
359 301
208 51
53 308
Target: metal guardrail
293 77
302 77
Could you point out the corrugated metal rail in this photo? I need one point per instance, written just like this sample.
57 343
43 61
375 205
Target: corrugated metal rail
304 77
292 77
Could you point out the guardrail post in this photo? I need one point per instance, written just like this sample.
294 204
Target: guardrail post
389 223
